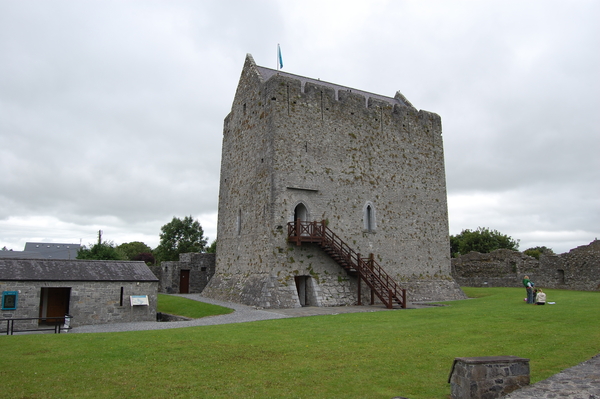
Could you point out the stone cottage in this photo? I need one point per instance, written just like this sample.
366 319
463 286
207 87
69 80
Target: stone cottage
305 159
92 291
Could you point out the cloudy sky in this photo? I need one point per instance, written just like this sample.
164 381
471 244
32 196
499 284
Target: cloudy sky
111 112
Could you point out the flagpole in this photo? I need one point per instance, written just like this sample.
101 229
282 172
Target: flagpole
277 57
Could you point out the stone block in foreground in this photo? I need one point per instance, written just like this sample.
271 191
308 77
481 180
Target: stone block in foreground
487 377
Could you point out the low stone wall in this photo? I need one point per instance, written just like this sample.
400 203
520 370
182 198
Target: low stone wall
578 269
165 317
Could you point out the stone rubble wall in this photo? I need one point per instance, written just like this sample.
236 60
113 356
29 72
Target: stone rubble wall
578 269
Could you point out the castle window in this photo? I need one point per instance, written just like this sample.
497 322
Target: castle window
244 109
239 222
369 221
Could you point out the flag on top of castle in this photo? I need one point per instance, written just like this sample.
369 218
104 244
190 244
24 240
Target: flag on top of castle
279 58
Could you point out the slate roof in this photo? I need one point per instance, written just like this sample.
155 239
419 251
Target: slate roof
53 250
267 73
73 270
21 254
44 250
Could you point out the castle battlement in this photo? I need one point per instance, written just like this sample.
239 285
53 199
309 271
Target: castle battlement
308 85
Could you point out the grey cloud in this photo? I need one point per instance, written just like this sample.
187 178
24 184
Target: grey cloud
111 113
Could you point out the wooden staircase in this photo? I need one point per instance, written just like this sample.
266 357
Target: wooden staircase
369 271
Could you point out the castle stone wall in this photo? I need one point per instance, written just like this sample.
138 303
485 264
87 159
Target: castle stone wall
578 269
289 141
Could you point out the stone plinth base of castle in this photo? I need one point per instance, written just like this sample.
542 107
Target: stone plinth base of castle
273 291
432 290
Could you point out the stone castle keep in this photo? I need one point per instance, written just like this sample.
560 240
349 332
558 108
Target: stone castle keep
369 167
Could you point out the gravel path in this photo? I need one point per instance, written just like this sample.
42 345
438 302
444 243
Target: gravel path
578 382
242 314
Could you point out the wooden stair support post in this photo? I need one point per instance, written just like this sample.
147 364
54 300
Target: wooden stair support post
379 282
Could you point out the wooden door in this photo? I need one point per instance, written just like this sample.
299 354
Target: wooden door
184 281
55 304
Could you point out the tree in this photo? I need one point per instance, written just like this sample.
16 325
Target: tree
146 257
537 251
481 240
101 251
133 249
212 249
180 236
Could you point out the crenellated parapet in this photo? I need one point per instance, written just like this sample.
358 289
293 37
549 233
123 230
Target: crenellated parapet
301 94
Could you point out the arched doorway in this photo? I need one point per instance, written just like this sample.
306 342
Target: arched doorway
300 212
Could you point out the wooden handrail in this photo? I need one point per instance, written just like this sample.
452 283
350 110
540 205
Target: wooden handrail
368 269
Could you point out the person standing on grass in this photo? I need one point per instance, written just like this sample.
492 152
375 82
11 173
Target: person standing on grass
540 298
529 287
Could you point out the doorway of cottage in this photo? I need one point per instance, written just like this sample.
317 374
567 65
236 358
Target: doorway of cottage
54 304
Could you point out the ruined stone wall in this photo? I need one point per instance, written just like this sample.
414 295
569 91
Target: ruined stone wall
578 269
91 302
288 142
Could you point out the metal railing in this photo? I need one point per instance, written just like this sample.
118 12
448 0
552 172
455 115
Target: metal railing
58 324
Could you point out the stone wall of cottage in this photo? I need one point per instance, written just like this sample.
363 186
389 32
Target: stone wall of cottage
91 302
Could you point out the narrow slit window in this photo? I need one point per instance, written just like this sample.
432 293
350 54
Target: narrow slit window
369 221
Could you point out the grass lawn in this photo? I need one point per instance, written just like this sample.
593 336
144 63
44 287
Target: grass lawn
362 355
180 306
